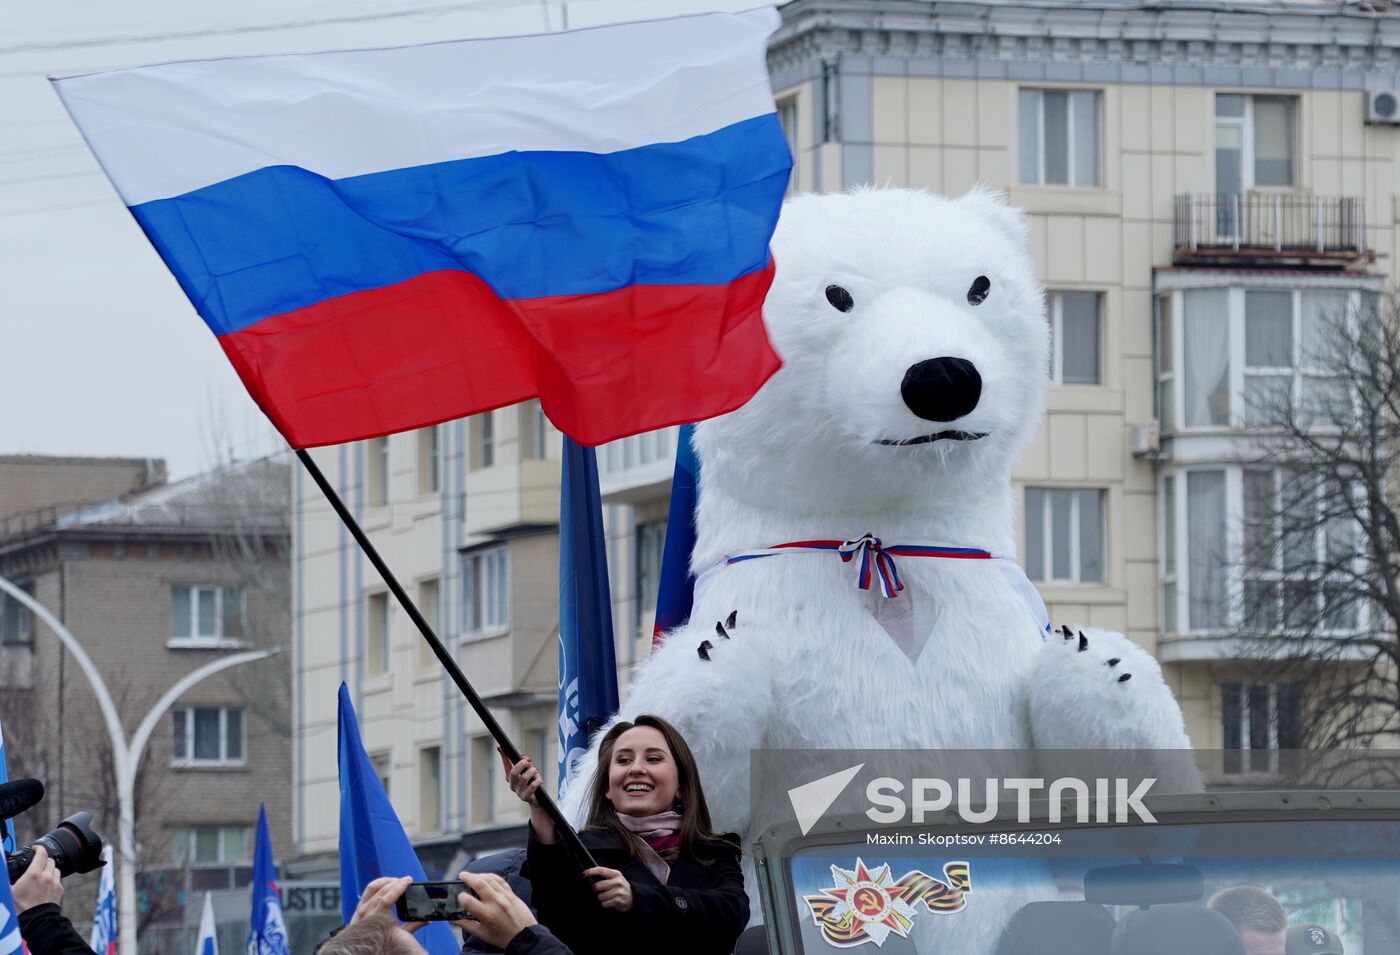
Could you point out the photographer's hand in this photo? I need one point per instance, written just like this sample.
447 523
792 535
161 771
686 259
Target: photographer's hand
379 897
40 883
498 915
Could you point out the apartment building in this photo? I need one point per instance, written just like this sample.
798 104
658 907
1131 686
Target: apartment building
1202 183
155 580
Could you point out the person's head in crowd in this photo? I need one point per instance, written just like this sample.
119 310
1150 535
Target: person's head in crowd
1312 939
373 935
1257 916
646 772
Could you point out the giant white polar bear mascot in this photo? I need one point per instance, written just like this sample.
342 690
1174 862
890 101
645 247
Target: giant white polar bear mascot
915 355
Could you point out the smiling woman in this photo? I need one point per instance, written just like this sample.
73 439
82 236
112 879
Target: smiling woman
662 871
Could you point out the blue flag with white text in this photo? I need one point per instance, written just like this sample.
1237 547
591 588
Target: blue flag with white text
104 917
267 933
372 841
10 943
587 660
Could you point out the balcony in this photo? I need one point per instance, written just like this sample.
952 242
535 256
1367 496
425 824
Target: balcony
638 469
1270 229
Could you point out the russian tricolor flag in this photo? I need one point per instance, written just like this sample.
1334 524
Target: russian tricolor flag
385 239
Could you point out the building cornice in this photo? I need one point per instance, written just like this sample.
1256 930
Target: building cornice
1284 37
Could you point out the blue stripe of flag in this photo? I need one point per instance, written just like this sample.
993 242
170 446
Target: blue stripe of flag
530 224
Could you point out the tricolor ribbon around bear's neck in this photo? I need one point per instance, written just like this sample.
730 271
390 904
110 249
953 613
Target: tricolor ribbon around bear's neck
875 563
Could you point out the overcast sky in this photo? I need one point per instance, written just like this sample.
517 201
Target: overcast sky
100 352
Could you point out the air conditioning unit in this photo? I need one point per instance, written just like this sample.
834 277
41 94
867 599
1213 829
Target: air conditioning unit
1144 440
1383 107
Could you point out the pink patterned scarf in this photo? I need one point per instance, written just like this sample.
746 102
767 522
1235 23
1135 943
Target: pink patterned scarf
661 840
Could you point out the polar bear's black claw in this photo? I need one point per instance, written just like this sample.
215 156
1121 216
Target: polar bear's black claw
719 629
1125 678
732 619
1113 661
1069 635
1083 642
704 649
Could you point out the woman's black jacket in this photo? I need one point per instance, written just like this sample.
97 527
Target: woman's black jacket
700 911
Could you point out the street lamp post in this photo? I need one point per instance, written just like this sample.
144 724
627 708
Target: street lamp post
126 756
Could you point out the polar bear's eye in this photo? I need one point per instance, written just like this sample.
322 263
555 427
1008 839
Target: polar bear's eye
839 298
981 288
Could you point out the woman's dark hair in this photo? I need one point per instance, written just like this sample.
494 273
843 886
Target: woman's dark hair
695 828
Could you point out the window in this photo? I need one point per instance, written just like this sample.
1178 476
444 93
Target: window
1298 555
16 624
430 789
1258 720
1268 355
484 767
208 736
483 441
429 598
377 634
1166 364
211 845
205 614
1276 538
484 591
535 427
1065 535
429 460
787 119
1254 143
649 544
377 466
1075 338
1255 357
1169 570
1207 558
384 769
1059 133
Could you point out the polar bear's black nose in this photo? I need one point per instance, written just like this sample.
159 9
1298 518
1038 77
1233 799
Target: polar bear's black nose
941 389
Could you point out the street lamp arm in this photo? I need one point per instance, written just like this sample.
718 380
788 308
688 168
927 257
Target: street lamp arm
70 642
157 710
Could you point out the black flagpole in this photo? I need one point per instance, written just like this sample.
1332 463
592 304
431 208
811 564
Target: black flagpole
561 825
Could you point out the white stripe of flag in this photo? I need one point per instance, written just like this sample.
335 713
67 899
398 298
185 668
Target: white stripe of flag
162 131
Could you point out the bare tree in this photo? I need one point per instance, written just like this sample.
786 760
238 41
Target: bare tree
249 502
1320 600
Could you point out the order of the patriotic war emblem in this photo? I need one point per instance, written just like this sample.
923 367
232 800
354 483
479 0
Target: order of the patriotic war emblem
868 905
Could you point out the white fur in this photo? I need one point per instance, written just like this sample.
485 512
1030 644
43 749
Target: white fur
808 665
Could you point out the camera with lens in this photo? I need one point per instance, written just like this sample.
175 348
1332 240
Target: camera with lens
74 846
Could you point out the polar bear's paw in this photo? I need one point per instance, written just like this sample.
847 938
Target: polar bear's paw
1094 689
1109 658
722 631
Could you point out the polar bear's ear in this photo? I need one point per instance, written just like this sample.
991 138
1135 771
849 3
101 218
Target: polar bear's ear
994 206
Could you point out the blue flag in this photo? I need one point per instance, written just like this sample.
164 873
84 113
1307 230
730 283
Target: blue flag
9 833
676 590
587 662
104 917
208 941
267 934
372 842
10 943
